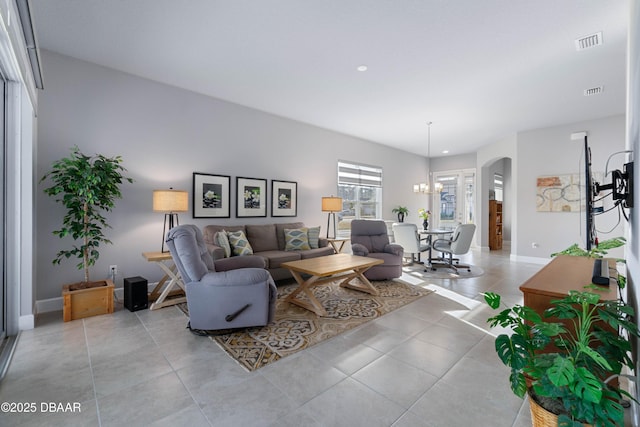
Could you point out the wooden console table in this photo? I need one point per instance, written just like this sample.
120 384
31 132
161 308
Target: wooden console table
164 289
563 274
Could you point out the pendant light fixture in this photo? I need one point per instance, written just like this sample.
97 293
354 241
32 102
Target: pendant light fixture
425 187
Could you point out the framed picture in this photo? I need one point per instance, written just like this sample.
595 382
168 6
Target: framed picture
251 197
211 198
284 198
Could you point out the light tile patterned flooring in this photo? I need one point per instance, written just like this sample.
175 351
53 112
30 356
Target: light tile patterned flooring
430 363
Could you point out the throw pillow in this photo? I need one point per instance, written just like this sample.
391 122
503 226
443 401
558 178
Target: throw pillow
296 239
223 241
313 233
239 243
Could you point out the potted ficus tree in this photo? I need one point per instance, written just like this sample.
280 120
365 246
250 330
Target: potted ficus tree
87 186
568 359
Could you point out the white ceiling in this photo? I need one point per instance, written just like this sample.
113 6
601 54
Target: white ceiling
480 70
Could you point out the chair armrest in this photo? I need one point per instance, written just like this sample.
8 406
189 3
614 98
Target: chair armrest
237 262
323 242
241 277
216 251
393 248
359 249
439 244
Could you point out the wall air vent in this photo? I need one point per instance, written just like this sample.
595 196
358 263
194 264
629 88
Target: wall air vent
589 41
593 91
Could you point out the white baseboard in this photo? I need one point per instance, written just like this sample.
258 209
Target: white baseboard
26 322
55 304
530 259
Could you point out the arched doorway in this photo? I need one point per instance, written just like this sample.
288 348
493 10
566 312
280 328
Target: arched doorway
496 184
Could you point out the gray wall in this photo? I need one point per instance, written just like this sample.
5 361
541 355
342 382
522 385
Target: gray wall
164 135
551 151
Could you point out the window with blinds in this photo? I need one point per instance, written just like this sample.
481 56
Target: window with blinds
360 187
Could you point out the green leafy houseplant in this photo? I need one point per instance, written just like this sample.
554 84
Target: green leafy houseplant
86 186
569 380
401 211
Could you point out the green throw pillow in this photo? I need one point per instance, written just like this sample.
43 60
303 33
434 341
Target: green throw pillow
239 243
296 239
223 241
313 233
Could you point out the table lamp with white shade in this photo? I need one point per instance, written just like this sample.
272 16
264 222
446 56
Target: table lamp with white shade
332 205
170 202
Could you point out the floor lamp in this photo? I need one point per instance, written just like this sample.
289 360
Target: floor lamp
332 205
170 202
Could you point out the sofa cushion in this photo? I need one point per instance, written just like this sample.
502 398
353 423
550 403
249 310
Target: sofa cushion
239 243
262 237
313 233
275 258
314 253
222 240
296 239
209 231
280 232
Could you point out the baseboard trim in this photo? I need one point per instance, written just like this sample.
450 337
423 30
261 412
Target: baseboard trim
529 259
26 322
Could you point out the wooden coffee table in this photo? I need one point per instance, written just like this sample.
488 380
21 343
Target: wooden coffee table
324 269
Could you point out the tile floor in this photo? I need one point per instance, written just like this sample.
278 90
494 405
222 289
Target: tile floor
430 363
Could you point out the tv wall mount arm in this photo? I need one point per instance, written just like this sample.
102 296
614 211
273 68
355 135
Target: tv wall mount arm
621 185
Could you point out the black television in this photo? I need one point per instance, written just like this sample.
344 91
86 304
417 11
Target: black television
621 192
590 194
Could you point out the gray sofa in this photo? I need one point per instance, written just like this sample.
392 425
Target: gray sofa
267 241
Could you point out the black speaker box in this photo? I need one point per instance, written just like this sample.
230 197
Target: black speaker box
135 293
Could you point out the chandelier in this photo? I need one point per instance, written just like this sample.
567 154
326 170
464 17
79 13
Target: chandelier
424 187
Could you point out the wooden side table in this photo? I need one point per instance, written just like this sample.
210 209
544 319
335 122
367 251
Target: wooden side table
338 243
164 289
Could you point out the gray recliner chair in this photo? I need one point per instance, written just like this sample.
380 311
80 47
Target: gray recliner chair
369 238
221 299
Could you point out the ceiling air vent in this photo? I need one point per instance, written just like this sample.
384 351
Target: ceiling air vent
593 91
586 42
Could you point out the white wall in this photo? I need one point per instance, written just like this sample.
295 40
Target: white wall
450 163
551 151
164 135
633 143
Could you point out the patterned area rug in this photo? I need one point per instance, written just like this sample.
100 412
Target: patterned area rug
296 328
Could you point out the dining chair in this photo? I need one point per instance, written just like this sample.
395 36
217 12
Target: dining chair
407 236
458 244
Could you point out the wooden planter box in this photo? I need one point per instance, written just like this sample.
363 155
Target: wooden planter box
87 302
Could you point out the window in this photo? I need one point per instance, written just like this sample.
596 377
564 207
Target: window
498 186
360 187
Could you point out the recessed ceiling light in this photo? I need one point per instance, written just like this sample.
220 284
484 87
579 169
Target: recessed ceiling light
445 151
362 68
